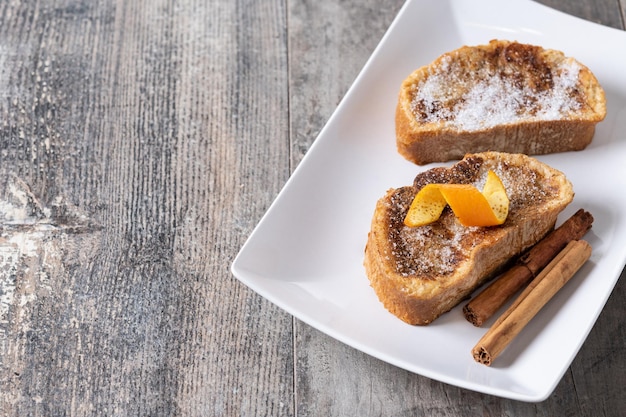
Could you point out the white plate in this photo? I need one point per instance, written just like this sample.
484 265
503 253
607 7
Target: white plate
306 254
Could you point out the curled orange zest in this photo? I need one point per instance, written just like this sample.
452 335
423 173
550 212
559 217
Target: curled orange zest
472 207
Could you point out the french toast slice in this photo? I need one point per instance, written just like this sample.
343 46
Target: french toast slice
504 96
422 272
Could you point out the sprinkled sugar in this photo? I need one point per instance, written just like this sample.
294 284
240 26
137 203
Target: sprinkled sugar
431 250
482 100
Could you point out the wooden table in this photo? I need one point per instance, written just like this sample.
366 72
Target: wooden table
140 143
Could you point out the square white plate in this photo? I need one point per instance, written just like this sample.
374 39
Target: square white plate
306 254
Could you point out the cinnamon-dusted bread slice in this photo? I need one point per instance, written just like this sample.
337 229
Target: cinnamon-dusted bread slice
503 96
421 272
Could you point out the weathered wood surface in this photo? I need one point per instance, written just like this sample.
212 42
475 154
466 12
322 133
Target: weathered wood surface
140 142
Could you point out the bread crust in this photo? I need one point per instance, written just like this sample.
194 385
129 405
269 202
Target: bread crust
420 273
433 132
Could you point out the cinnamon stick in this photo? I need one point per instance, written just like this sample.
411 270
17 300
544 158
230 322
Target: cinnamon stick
482 307
551 279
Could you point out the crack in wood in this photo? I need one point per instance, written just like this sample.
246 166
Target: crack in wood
37 248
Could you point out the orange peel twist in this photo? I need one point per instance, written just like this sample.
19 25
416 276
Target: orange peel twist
472 207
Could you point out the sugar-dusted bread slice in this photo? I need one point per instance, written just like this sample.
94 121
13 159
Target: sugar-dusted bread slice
503 96
420 273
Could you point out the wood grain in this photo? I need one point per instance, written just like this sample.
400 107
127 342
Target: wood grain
150 117
140 143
